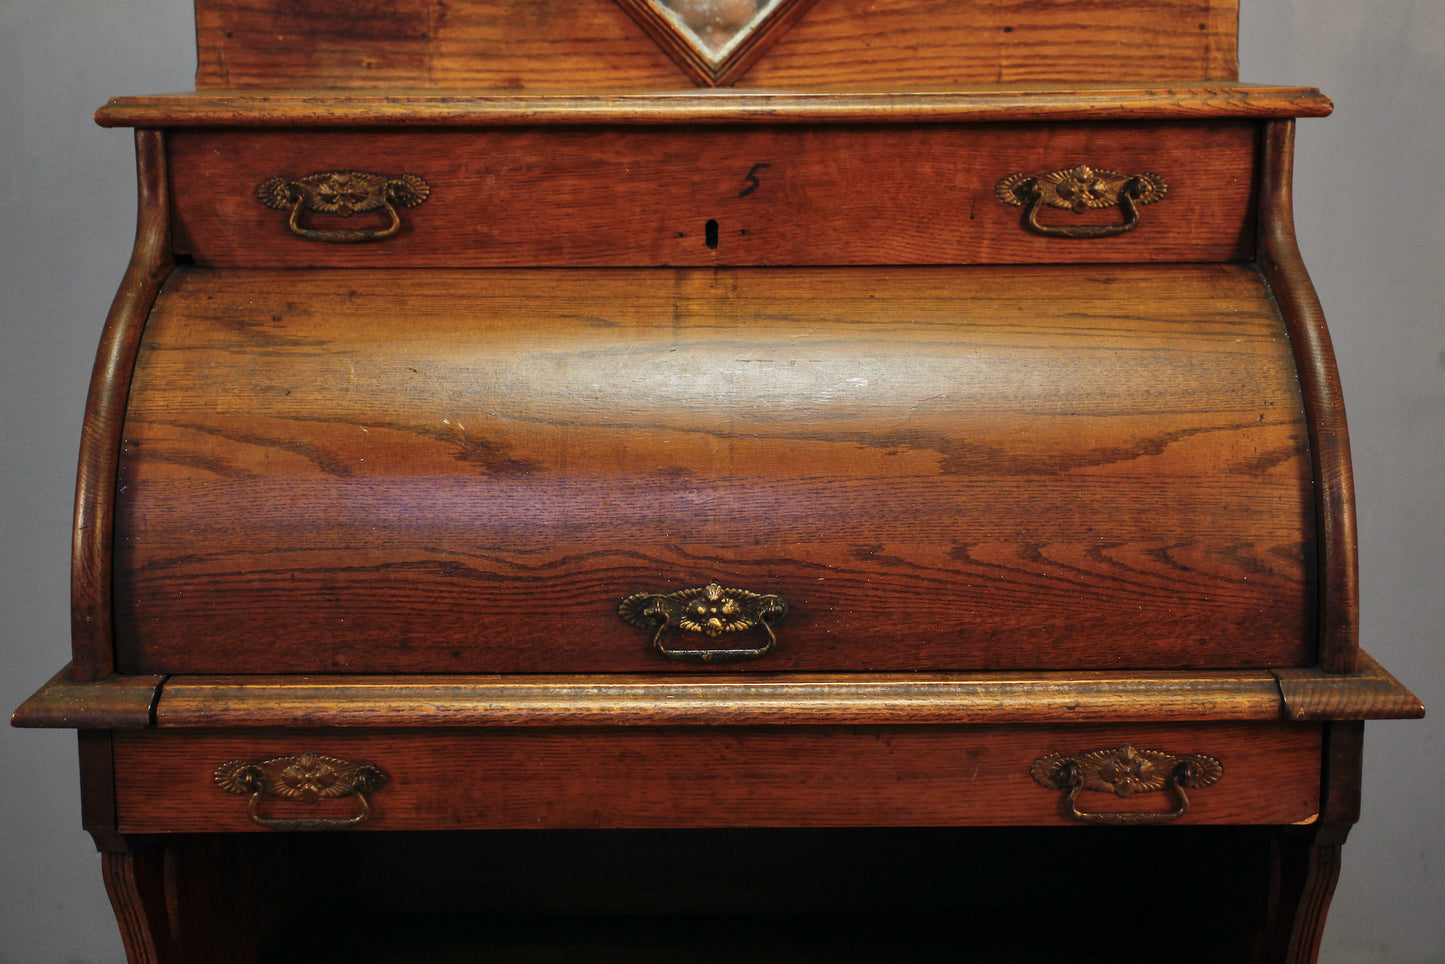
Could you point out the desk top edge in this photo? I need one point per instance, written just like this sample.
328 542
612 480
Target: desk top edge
480 108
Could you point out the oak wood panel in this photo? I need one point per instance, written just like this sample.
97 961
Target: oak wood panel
616 700
506 44
941 468
883 42
1289 281
816 194
92 539
713 776
458 107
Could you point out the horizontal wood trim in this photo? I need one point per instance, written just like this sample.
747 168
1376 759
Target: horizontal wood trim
712 776
1369 694
799 699
527 44
116 702
429 701
824 195
460 108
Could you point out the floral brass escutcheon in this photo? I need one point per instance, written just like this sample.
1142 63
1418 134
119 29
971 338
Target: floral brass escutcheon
710 610
1125 771
342 194
306 778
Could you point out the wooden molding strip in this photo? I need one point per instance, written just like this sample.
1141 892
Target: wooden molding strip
1369 694
119 702
714 700
319 108
698 699
92 543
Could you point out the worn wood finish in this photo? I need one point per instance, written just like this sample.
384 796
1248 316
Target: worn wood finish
815 194
117 701
92 546
713 776
1289 280
595 44
460 108
771 700
941 469
1370 693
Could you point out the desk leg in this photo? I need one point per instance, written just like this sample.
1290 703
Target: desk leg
135 881
1310 861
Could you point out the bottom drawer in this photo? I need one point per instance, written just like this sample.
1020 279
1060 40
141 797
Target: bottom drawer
861 776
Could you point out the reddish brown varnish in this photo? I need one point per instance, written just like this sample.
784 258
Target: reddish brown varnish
519 44
714 776
943 468
1025 494
803 194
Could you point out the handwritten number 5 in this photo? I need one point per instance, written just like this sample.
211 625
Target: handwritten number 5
752 179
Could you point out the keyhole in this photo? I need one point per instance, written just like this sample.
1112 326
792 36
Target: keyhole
709 234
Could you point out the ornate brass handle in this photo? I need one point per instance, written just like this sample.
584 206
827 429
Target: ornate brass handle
1080 189
343 193
710 610
1125 771
307 778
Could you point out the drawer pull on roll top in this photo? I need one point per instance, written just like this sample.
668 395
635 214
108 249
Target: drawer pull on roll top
307 779
1079 189
710 610
342 194
1124 771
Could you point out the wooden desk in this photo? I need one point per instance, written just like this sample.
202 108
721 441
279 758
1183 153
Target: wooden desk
675 523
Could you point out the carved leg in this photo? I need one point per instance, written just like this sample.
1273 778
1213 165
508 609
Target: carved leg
1309 859
135 881
1321 873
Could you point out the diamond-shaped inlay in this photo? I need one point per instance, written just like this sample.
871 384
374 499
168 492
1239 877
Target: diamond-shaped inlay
715 41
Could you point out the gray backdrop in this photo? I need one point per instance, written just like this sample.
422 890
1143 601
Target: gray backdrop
1372 226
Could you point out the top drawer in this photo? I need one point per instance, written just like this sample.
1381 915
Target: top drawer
728 194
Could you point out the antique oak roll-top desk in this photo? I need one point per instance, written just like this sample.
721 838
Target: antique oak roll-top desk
701 480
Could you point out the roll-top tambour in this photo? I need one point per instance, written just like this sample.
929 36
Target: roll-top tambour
938 468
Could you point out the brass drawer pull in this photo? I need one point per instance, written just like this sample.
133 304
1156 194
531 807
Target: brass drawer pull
1080 189
343 193
710 610
1125 771
307 778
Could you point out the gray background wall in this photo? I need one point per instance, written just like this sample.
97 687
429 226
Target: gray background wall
1372 227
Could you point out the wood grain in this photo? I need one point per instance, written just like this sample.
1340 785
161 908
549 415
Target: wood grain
714 776
133 881
117 701
941 468
1370 693
92 545
815 194
985 103
526 44
772 700
1289 281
